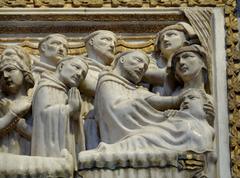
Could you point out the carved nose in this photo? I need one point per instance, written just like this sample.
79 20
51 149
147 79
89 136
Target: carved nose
60 50
112 46
5 74
79 72
165 38
181 61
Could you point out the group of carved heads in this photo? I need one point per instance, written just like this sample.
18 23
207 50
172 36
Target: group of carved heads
176 45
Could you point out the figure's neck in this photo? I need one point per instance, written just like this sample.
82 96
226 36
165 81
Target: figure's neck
166 56
119 72
20 93
48 61
98 58
196 82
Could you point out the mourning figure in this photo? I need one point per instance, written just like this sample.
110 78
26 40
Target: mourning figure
139 125
100 46
167 41
56 108
52 48
15 81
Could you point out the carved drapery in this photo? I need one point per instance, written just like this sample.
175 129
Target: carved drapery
231 48
200 19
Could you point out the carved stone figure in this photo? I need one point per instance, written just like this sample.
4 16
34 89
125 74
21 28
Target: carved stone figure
100 46
168 40
52 48
189 66
138 128
15 103
128 107
56 108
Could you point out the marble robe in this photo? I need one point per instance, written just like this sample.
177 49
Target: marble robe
16 140
87 88
132 131
53 129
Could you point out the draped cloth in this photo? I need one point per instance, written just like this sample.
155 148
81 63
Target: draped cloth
53 129
201 21
36 166
130 127
87 88
12 138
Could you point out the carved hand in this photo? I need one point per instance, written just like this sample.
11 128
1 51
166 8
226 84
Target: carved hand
21 106
4 105
74 100
210 111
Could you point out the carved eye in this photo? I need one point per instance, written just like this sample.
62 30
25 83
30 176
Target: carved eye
10 69
138 59
76 67
170 34
192 97
55 43
8 54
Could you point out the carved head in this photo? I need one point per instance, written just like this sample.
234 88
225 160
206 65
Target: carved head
132 65
72 71
102 45
172 37
194 101
53 47
188 62
15 67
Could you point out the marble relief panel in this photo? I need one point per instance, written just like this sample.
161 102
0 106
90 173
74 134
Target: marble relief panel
78 98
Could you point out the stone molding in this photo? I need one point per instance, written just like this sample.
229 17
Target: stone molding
231 26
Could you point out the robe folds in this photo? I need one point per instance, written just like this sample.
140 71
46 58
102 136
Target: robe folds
130 126
16 140
87 88
53 129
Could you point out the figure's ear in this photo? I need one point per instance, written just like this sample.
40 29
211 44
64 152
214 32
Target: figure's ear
60 67
43 47
91 41
122 60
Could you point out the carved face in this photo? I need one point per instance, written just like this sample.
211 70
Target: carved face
170 41
55 48
134 65
11 78
104 46
72 72
188 65
193 103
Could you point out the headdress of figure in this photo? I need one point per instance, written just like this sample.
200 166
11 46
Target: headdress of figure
23 64
49 37
118 57
191 36
95 33
192 48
